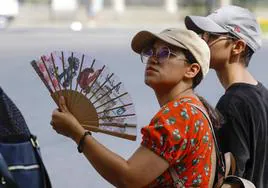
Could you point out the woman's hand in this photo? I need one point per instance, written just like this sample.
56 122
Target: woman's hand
63 122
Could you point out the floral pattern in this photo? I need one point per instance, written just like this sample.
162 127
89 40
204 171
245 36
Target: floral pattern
181 135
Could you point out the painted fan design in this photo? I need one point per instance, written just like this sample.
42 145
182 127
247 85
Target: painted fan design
93 94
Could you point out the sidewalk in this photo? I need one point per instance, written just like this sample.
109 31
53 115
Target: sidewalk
40 16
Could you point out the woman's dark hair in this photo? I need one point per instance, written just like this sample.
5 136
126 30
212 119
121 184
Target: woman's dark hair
191 59
214 115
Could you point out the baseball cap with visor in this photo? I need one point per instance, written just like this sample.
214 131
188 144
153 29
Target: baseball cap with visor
181 38
233 20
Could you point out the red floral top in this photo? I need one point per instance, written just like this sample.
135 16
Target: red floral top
180 134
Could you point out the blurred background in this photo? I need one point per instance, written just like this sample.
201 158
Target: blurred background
79 14
103 29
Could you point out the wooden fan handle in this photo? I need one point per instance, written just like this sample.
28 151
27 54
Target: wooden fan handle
121 135
82 109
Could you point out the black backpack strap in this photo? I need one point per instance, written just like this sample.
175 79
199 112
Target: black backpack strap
7 179
46 179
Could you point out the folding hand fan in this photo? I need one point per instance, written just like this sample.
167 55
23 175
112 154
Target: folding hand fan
93 94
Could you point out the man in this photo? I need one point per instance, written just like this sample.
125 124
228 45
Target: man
233 35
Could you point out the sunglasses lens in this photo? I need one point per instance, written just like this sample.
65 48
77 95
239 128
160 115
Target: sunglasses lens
146 54
163 54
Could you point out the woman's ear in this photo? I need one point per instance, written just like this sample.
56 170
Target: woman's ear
192 70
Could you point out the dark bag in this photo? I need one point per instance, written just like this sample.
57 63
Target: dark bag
21 165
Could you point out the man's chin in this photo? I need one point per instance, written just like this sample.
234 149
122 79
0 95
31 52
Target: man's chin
216 65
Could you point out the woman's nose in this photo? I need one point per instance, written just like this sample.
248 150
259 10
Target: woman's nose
153 60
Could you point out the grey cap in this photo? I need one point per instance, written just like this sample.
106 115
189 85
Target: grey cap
229 19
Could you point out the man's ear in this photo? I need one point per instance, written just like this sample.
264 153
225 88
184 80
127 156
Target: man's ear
192 70
238 47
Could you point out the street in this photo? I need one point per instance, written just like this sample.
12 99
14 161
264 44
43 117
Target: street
67 168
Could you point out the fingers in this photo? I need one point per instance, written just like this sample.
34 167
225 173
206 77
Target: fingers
55 112
62 104
52 123
55 115
58 129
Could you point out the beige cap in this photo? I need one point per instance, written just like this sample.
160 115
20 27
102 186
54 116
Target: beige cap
181 38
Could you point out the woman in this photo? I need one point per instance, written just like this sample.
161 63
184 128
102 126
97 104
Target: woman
178 139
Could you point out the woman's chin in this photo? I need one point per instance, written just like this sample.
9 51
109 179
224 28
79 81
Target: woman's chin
150 82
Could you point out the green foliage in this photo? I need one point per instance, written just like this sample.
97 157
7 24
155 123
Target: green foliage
264 27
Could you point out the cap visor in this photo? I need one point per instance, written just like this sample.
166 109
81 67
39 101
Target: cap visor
145 38
200 24
140 40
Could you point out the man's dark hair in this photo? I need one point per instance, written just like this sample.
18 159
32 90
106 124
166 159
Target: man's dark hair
247 53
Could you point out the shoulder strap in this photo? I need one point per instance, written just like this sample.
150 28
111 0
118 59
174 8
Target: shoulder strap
177 182
218 153
46 179
228 164
236 182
